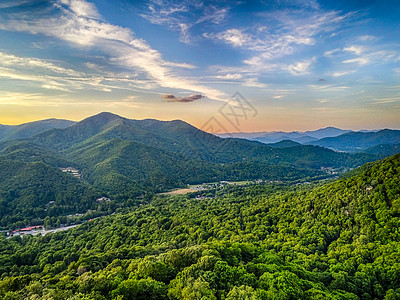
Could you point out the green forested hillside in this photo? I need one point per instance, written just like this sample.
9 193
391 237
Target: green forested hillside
284 144
30 191
335 241
25 151
32 187
384 150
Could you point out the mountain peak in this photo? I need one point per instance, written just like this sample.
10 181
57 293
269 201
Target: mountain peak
106 115
101 119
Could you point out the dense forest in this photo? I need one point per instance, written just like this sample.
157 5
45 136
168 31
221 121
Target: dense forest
338 240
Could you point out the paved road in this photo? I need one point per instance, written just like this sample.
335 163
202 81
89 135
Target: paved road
44 231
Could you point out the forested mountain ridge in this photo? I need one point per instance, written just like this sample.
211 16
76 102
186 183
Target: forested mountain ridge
179 138
335 241
359 141
332 138
385 149
124 159
12 132
296 136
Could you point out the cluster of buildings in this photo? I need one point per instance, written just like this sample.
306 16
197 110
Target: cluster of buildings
26 230
72 171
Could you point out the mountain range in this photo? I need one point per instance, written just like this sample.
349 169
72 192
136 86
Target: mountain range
360 141
124 158
332 138
296 136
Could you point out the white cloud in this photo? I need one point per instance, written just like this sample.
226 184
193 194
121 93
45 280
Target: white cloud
57 87
235 37
79 25
354 49
358 60
82 8
328 87
376 57
253 82
387 100
179 65
367 38
234 76
331 52
343 73
184 32
300 68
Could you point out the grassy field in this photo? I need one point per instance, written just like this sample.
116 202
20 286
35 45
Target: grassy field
179 192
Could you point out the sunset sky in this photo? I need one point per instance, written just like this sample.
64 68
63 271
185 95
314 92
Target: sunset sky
298 65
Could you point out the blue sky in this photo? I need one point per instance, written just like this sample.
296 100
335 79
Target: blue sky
299 64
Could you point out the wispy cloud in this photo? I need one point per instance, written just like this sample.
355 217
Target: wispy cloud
183 16
13 3
7 59
387 100
253 82
331 52
358 60
328 87
354 49
364 55
342 73
79 23
235 37
367 38
26 99
229 76
293 31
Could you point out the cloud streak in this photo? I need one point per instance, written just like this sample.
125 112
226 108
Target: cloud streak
7 59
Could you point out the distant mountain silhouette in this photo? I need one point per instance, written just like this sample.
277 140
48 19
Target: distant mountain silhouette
358 141
12 132
296 136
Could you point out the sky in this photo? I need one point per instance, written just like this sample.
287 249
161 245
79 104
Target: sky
223 66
